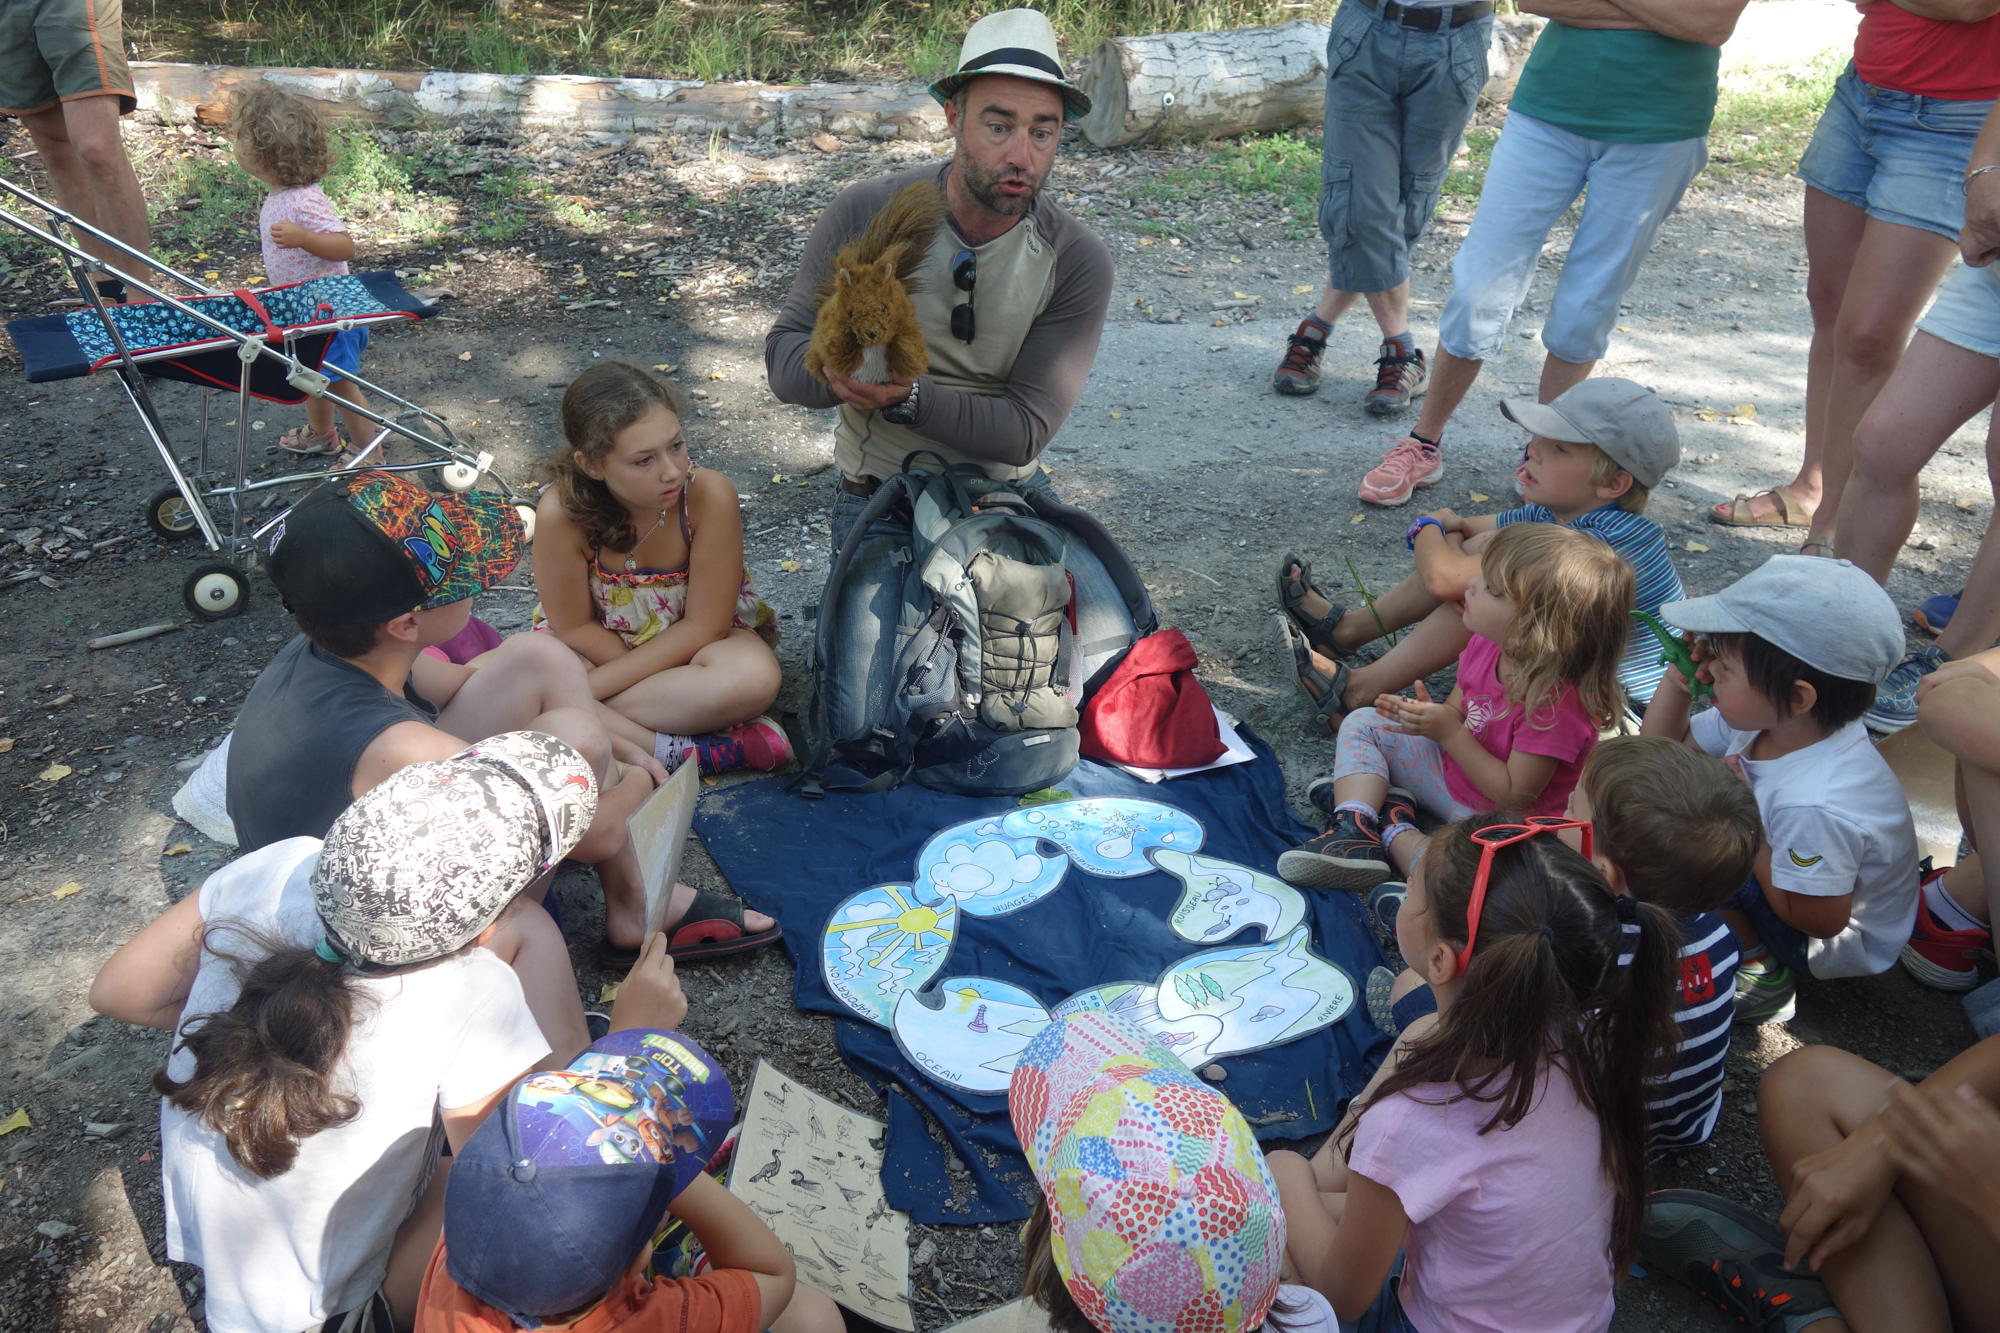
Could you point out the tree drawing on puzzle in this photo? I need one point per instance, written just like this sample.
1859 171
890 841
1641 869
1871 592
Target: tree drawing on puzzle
1138 1002
1108 835
968 1033
1219 899
882 942
988 873
1263 995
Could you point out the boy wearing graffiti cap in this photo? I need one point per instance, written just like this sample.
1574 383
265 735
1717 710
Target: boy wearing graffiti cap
374 570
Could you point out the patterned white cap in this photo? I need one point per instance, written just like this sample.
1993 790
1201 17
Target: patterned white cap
424 861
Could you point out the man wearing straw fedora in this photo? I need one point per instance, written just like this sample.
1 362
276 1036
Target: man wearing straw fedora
1011 296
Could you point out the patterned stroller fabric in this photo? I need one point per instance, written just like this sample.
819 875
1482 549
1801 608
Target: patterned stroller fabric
149 326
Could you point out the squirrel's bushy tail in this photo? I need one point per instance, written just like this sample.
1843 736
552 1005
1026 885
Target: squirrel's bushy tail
911 218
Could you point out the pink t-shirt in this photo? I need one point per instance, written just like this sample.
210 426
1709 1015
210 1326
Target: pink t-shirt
1562 730
308 206
1510 1232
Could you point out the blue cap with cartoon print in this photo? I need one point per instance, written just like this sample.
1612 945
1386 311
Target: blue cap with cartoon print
563 1186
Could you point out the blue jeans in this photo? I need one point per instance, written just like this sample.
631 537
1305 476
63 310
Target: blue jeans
1899 156
1786 942
1386 1314
1537 172
1397 100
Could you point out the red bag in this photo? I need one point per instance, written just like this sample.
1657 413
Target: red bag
1152 713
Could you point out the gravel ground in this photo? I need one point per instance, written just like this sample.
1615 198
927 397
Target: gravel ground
1178 443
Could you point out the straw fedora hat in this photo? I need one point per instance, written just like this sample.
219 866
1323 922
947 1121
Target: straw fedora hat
1016 42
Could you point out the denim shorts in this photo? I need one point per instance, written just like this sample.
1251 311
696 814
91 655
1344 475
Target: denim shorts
1386 1314
1538 170
1967 310
1397 100
344 353
1899 156
1786 941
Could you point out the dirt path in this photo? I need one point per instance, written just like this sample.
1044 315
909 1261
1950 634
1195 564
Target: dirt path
1178 443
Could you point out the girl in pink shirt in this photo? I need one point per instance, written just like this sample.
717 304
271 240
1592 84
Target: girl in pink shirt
1549 612
1460 1195
280 139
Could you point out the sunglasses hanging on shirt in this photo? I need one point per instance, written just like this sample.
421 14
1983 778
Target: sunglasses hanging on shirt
964 276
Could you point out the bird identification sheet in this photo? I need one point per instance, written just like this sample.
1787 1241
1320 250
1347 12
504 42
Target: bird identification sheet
811 1169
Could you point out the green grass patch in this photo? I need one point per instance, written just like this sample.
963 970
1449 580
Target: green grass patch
774 40
1467 175
1764 120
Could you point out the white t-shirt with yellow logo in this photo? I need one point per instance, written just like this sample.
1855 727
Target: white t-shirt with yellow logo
1838 823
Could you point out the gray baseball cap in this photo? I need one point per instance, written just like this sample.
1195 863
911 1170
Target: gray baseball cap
1827 613
1625 419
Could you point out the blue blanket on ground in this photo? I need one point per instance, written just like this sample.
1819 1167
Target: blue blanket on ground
798 859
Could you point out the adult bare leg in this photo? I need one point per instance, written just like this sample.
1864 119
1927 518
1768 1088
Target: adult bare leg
1895 271
79 143
1937 388
1451 379
1560 376
1976 624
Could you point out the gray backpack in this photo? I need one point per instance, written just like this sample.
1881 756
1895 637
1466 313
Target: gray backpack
963 625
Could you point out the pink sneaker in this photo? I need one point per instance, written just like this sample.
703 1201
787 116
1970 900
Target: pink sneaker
759 744
1409 464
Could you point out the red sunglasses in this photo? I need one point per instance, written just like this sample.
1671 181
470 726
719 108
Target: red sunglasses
1491 839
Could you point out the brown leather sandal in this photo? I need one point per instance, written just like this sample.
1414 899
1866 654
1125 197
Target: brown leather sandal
1790 513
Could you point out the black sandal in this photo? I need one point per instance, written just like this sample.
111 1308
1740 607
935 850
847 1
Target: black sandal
1330 703
1292 590
712 927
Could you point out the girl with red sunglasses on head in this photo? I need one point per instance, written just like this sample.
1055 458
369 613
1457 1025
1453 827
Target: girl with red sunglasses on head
1555 1001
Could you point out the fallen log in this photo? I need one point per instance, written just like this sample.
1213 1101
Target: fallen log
174 93
1208 85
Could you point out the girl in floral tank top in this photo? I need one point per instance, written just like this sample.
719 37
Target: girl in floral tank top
639 564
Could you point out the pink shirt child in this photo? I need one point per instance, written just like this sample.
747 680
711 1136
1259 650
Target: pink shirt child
1510 1231
308 206
1563 731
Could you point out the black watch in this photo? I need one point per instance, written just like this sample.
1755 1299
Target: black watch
905 412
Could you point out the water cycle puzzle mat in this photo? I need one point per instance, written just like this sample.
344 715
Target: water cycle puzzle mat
883 948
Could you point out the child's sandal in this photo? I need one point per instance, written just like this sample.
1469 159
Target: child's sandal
302 441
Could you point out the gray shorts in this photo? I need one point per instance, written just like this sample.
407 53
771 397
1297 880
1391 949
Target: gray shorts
54 51
1397 100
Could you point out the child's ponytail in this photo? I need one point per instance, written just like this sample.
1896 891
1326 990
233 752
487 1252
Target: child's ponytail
263 1070
1549 982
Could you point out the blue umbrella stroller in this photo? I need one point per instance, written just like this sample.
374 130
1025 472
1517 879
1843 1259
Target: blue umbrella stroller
265 344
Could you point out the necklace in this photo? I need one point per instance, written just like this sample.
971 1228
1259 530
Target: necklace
632 560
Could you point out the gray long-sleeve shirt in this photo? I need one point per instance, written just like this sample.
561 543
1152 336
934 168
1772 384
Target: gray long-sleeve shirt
1040 302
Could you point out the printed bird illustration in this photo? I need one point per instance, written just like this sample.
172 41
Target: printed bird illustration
876 1263
783 1131
800 1182
881 1297
777 1099
772 1214
769 1170
848 1194
845 1235
881 1211
812 1123
805 1212
880 1139
810 1265
827 1163
843 1129
832 1262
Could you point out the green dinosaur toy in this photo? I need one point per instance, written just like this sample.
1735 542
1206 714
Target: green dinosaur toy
1675 654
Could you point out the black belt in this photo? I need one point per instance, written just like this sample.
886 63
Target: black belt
1431 17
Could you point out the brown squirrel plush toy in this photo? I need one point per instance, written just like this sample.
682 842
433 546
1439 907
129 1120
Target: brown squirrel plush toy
866 327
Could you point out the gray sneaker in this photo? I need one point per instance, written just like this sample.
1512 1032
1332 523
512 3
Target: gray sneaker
1766 996
1398 379
1730 1256
1896 698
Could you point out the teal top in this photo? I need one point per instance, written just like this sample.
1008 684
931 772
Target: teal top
1619 85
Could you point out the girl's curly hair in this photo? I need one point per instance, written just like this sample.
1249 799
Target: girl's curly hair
282 132
1573 598
599 403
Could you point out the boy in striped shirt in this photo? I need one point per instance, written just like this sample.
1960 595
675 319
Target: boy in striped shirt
1594 456
1675 828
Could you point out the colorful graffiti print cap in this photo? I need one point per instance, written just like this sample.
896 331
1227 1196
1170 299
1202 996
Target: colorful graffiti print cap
366 548
565 1183
1164 1216
429 857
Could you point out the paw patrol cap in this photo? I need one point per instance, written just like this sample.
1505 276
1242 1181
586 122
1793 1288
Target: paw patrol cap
565 1184
1164 1218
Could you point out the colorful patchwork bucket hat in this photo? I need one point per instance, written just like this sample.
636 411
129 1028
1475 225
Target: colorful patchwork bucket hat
1164 1216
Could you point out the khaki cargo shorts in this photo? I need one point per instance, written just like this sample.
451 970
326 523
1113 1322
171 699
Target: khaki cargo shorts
54 51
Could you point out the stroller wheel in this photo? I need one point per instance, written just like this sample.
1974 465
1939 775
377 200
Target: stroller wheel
216 591
168 515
